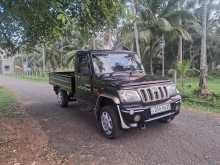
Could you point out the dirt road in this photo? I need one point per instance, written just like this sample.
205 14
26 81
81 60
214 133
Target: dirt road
193 138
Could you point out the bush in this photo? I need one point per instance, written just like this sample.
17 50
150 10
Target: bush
214 75
192 73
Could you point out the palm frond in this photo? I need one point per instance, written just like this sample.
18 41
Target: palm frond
164 25
183 33
145 35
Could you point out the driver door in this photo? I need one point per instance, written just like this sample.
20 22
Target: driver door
84 77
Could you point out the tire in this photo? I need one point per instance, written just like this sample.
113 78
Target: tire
62 98
166 119
110 113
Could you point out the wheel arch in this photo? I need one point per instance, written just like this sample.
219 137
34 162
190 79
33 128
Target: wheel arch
103 100
56 89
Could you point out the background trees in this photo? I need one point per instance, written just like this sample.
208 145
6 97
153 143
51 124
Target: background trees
161 31
44 20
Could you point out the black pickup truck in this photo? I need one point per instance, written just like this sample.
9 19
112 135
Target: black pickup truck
121 94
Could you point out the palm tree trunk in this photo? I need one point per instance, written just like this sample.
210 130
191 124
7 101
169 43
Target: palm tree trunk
203 86
107 41
191 53
180 43
162 54
151 59
110 45
213 65
136 29
180 50
44 58
180 47
93 43
22 59
61 55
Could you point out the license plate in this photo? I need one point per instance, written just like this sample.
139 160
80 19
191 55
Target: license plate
160 108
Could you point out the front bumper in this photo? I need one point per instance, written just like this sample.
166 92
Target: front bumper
128 113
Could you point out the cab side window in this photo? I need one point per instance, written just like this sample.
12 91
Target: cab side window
83 65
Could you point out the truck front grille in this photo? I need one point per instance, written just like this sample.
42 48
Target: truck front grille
154 93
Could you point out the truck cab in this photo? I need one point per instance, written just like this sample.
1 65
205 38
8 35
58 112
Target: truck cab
121 94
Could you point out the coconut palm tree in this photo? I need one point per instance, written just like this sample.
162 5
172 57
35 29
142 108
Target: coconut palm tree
208 17
157 18
164 16
136 35
203 58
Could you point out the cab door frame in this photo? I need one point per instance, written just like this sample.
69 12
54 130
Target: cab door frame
84 76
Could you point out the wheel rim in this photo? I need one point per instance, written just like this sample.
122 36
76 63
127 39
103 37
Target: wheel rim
59 98
106 123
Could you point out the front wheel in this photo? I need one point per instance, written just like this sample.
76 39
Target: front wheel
62 98
109 122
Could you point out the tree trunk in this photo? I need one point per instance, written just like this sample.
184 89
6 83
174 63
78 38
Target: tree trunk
203 86
44 58
151 59
61 55
132 46
191 55
180 46
162 54
213 65
93 43
180 50
135 28
110 44
180 42
107 44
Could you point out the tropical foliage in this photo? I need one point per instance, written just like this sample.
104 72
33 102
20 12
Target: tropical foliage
165 33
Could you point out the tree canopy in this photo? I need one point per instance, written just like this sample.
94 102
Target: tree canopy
32 21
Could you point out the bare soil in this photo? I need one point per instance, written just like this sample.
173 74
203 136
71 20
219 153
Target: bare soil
23 142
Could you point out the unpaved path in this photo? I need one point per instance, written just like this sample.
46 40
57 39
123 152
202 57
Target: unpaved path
193 138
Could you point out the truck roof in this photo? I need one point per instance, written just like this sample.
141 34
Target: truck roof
104 51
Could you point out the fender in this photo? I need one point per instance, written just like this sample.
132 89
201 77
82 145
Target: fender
117 102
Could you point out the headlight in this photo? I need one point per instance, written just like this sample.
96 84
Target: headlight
172 90
129 96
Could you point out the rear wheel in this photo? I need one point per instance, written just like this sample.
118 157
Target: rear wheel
109 122
62 98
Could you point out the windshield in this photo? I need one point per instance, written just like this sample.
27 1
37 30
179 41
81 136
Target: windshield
120 62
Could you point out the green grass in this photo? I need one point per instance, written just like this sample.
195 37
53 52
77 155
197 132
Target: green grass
40 77
34 78
7 100
211 104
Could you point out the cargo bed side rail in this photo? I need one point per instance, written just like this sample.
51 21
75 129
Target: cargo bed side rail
65 82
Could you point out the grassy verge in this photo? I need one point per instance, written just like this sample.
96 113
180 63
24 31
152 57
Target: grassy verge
211 104
33 78
7 102
40 77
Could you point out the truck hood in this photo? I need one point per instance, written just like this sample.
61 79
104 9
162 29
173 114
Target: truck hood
134 80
